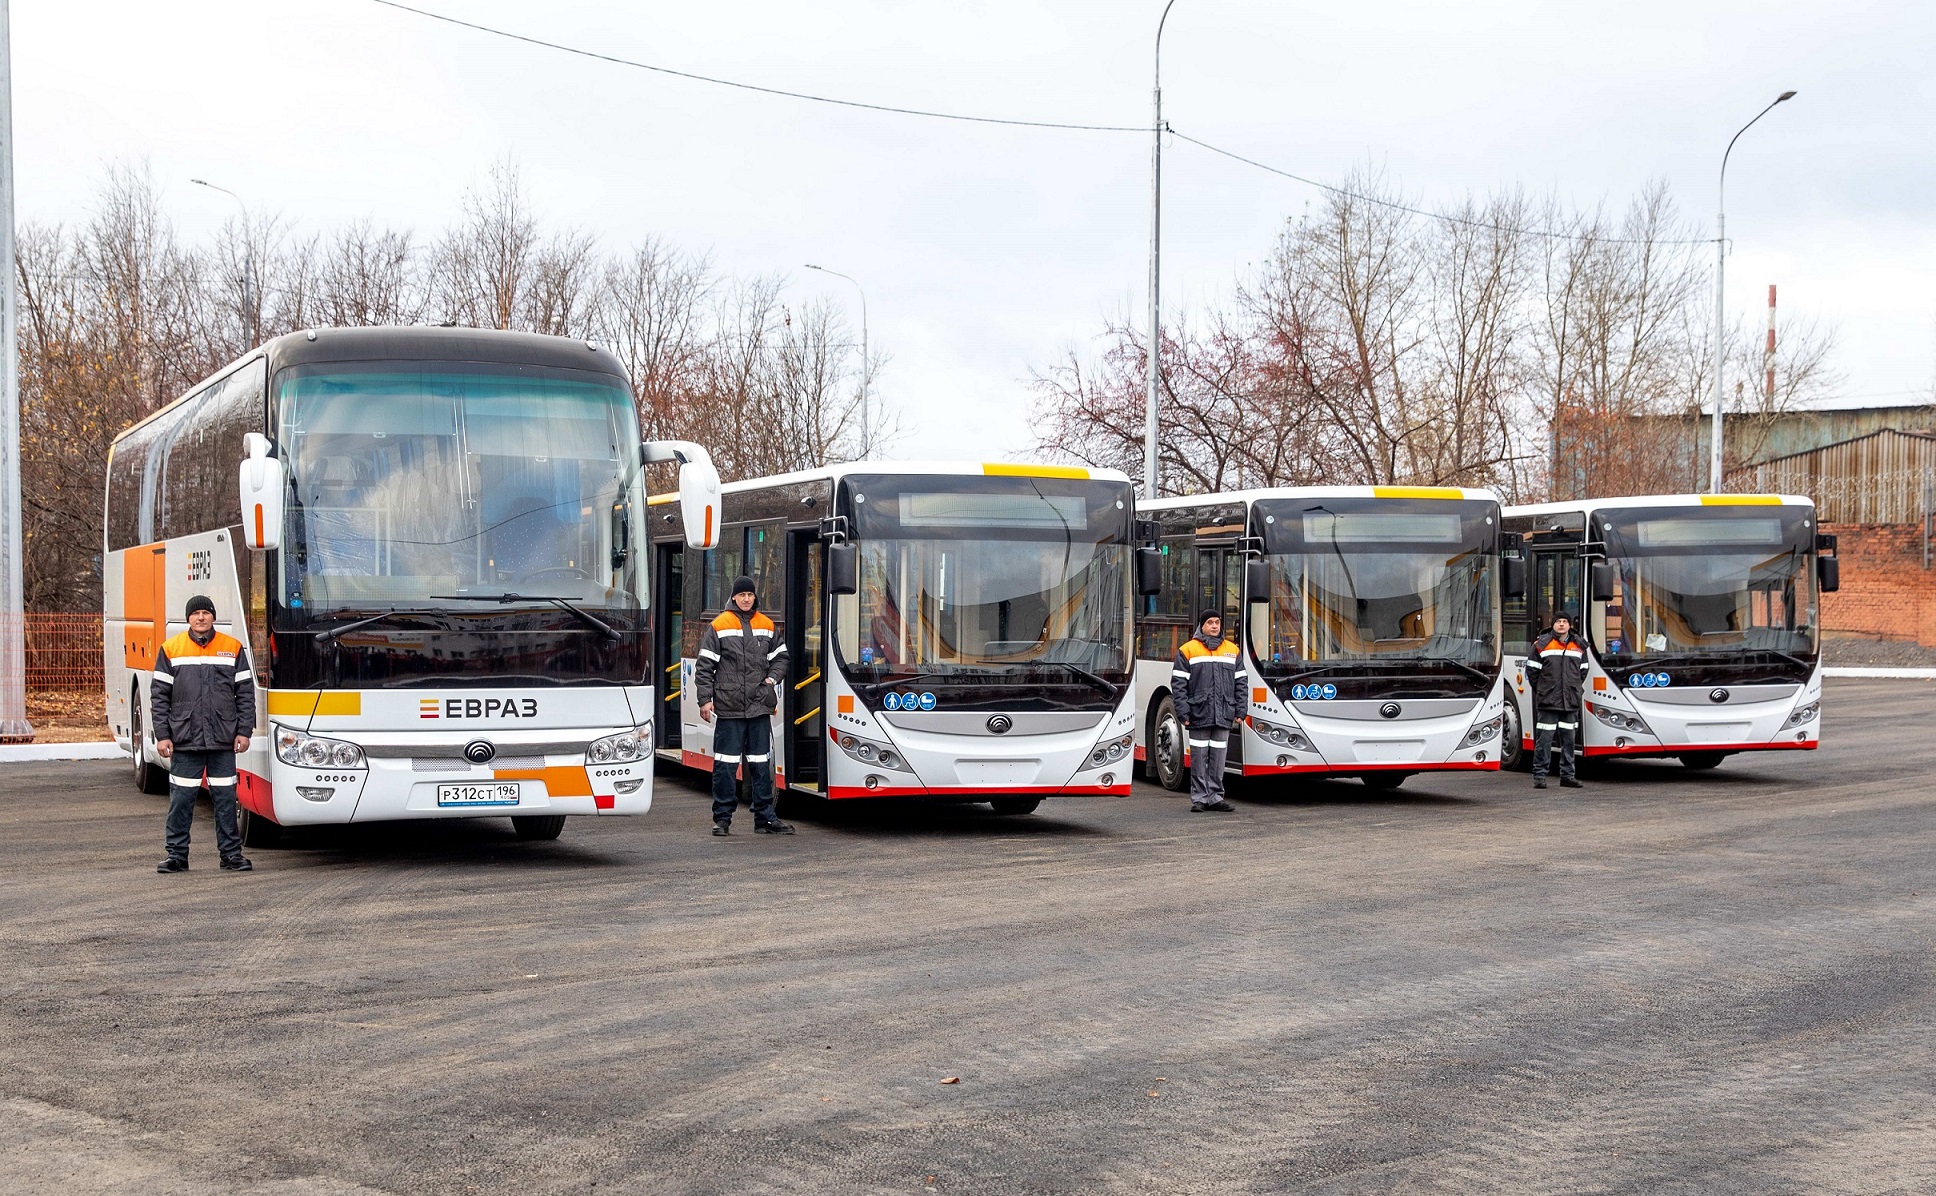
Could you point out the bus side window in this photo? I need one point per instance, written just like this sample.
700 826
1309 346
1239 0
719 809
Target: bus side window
723 564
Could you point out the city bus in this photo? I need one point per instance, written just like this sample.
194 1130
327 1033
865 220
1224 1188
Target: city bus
954 631
431 542
1368 618
1702 624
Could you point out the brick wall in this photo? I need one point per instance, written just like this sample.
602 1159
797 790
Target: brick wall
1885 591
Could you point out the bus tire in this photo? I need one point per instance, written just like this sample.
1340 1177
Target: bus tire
1702 761
256 830
537 827
1513 756
1167 741
1014 805
1383 780
148 777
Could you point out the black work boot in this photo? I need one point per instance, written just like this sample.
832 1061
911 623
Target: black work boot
1197 807
1221 807
1539 782
722 829
1570 783
775 827
173 863
236 863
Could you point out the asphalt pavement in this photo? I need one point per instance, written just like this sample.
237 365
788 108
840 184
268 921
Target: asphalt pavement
1666 982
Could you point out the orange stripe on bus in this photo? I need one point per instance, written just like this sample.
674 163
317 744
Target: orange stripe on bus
258 525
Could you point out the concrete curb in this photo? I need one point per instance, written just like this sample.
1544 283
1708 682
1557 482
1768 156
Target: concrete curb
27 753
1895 674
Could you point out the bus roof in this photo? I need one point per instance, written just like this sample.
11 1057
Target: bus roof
1588 505
1177 502
414 343
832 473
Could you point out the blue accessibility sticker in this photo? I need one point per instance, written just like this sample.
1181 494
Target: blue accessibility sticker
1330 691
1648 680
1662 679
1298 692
910 700
927 701
892 701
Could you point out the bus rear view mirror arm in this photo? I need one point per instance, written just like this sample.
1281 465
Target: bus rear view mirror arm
698 488
262 482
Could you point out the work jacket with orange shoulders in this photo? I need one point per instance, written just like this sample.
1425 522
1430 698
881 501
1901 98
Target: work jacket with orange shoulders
1207 683
1557 667
203 695
737 657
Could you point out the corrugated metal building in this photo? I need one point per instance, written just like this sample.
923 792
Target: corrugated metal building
1885 477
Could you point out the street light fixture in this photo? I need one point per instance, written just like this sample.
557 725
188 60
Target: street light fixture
866 429
253 312
1720 296
1155 261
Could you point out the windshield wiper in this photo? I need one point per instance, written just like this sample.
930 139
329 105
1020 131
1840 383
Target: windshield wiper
564 604
330 634
1694 659
1081 672
1458 664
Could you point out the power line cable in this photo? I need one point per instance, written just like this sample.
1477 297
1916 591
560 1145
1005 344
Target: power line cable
1558 234
772 91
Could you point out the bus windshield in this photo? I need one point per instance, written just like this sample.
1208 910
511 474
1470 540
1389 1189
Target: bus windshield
1380 589
1710 585
418 484
991 579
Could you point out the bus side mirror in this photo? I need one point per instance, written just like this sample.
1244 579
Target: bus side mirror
1149 572
1828 573
263 483
1512 576
698 488
1257 580
843 568
1602 581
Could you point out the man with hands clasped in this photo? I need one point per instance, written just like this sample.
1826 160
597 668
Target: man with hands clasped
741 665
202 705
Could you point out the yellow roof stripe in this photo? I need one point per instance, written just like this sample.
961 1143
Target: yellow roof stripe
1740 500
1000 469
1417 492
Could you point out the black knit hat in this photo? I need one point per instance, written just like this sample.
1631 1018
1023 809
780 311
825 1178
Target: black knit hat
1206 616
744 585
199 602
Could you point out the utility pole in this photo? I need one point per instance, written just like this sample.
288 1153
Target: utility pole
13 619
866 428
1155 263
1720 297
1768 353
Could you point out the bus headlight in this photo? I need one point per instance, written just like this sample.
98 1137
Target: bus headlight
622 748
1804 715
1284 737
1109 751
1619 720
874 755
313 751
1481 732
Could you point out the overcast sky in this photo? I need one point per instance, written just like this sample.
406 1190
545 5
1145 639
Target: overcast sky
984 250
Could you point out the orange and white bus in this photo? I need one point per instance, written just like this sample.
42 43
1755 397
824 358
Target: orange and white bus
435 552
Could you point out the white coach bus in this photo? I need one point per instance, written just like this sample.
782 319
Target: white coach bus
1368 617
435 556
955 632
1702 622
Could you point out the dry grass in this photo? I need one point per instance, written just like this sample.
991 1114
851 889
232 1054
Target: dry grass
67 716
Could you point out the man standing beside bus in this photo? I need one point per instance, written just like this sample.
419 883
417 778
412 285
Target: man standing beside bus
741 665
202 704
1207 688
1557 664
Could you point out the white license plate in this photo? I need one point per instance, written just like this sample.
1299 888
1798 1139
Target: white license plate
498 793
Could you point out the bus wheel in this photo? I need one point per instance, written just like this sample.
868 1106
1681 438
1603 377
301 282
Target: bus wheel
148 778
1513 756
1383 780
1165 754
257 831
1015 805
539 826
1702 761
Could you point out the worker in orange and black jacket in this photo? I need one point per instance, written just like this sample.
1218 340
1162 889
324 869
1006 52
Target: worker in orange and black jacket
742 662
1557 666
202 705
1207 682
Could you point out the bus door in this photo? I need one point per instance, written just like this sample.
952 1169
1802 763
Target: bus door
669 636
806 603
1555 584
1220 582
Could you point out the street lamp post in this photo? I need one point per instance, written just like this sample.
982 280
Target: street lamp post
1720 297
13 626
252 312
1155 261
866 429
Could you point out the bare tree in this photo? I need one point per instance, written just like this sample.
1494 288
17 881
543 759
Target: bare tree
367 277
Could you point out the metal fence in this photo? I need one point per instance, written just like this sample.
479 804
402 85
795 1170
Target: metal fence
1884 477
63 653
